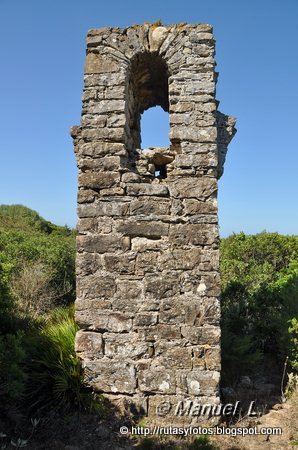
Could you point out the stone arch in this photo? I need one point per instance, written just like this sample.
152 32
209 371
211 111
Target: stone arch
147 87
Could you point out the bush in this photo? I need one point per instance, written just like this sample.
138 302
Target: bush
203 443
32 245
55 375
39 366
56 255
259 296
6 302
34 290
293 344
239 355
12 376
19 217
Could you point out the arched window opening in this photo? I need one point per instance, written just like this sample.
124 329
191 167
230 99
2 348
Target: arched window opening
148 87
148 108
155 128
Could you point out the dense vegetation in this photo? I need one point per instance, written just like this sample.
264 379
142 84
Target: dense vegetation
259 302
39 368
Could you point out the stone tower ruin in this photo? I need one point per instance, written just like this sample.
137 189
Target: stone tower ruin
147 248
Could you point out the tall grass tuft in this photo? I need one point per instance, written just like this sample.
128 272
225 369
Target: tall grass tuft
55 374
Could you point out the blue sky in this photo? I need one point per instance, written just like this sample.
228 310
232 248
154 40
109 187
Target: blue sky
42 54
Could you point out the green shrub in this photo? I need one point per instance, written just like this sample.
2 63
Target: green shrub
292 385
259 296
239 355
55 375
20 217
12 375
38 363
203 443
28 241
6 302
293 344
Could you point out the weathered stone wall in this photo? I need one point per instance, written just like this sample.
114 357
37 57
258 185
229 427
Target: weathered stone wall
147 248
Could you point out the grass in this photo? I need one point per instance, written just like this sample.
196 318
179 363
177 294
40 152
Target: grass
55 374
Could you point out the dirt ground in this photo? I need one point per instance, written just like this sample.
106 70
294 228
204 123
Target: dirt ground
283 415
88 432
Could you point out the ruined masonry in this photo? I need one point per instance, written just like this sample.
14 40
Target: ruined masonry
147 247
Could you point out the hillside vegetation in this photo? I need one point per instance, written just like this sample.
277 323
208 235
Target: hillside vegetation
39 368
259 276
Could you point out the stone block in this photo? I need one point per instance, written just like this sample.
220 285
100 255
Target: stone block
158 190
197 148
103 208
182 309
105 225
116 121
191 187
160 331
84 226
201 335
179 259
193 206
103 134
89 343
111 376
126 346
147 262
106 163
112 322
148 207
209 261
96 63
94 180
131 177
88 263
161 380
100 149
209 284
120 263
145 319
97 286
202 160
202 37
102 243
105 107
197 382
161 286
156 37
206 357
109 79
193 234
182 107
147 229
141 244
129 289
86 196
172 355
92 121
109 192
